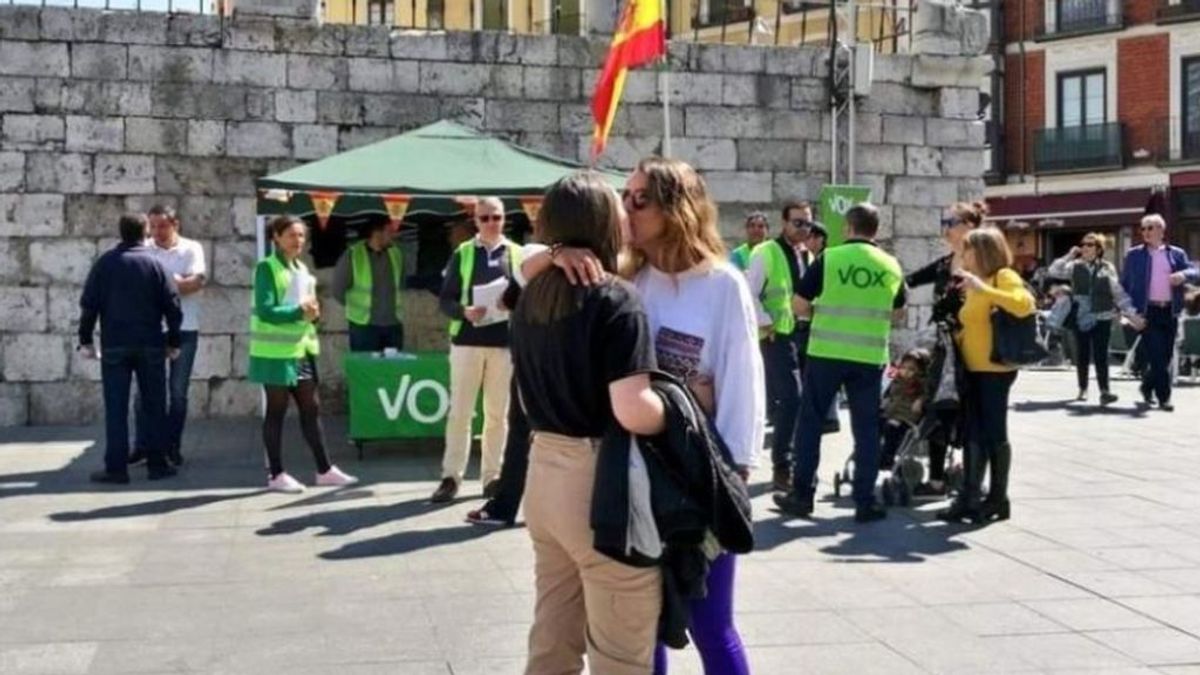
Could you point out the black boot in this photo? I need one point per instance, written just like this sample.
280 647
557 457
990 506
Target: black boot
996 506
966 505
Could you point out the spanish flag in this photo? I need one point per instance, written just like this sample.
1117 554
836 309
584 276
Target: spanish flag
640 39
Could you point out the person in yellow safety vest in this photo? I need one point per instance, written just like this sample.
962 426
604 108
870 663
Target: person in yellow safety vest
367 281
283 351
479 354
756 233
853 292
773 275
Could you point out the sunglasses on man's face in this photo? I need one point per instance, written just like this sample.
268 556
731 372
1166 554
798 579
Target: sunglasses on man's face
490 218
801 222
635 201
1148 228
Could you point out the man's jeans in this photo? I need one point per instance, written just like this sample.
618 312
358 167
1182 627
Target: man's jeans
1158 347
862 382
376 338
177 395
118 367
783 396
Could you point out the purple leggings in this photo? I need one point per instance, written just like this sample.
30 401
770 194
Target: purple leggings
711 626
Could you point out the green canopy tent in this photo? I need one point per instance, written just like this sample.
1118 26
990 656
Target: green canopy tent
432 165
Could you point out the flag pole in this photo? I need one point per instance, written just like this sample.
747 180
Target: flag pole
664 80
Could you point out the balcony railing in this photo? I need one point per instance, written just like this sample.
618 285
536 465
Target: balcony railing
1178 145
724 14
1171 11
1080 17
1091 147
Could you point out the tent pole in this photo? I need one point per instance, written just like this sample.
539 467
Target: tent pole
260 245
664 79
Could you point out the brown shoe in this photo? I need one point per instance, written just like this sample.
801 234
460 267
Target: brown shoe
491 489
781 479
446 492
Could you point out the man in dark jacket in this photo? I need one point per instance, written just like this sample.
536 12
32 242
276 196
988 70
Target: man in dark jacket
132 295
1153 276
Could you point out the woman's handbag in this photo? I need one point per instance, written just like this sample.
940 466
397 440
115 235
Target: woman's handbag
1015 340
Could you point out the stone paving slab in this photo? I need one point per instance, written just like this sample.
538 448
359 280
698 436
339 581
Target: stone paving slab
1098 572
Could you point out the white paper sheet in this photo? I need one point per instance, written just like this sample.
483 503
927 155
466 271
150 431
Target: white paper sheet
488 295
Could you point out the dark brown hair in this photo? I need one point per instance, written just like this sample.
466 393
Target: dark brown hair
970 213
132 227
794 203
990 250
280 224
863 219
581 210
690 235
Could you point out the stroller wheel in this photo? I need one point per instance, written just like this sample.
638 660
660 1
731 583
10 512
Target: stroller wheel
905 496
837 483
888 490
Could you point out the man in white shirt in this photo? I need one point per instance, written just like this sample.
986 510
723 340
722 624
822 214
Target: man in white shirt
183 260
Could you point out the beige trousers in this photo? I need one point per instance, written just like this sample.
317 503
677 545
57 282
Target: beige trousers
585 600
472 368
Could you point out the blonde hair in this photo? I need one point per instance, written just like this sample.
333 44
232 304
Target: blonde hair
690 235
1098 239
989 249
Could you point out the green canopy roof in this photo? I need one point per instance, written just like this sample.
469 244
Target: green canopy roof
432 164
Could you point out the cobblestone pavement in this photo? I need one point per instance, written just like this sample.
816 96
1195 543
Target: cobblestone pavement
1098 572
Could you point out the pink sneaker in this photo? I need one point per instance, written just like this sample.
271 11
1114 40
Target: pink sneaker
285 483
335 477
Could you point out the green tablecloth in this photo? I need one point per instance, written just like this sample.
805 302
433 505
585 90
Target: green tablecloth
404 396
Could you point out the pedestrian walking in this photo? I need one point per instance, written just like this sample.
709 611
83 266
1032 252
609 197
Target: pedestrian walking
757 227
581 359
851 292
368 281
704 329
283 351
476 277
988 284
773 276
1097 297
1153 275
960 219
133 297
183 261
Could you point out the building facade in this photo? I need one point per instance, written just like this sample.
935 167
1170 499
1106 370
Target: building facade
1097 122
763 22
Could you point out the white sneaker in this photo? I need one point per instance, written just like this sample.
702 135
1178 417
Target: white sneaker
285 483
335 477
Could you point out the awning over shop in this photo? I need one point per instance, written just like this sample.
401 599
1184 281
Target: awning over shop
1108 208
435 169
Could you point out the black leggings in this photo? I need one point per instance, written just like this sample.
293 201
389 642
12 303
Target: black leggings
305 393
1092 346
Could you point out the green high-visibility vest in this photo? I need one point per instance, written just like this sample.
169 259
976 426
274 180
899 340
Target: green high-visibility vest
358 296
466 269
852 318
740 257
776 293
292 340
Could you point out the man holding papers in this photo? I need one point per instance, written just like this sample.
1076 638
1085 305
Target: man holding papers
475 278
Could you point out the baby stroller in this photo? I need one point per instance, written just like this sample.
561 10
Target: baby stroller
909 471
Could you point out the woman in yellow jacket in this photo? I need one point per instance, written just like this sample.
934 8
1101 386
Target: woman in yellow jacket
988 284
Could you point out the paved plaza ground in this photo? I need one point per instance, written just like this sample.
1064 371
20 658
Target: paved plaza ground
1098 572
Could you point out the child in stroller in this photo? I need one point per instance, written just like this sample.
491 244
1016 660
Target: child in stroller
903 404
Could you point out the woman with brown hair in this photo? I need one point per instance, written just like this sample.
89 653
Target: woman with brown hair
1098 297
960 219
581 356
283 351
988 284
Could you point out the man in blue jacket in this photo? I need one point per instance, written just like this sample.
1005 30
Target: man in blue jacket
1153 276
132 296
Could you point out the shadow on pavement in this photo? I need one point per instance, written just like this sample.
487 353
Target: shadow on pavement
154 508
346 521
406 542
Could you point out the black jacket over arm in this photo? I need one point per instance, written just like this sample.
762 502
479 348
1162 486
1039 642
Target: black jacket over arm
694 489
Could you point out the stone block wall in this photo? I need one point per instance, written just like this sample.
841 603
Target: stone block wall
106 112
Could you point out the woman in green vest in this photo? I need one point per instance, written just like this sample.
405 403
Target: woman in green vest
283 350
1098 296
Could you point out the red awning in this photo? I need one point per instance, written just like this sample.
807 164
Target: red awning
1108 208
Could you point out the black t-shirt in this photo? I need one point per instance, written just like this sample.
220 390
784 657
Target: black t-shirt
563 369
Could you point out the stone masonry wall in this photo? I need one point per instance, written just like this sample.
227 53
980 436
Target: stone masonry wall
106 112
